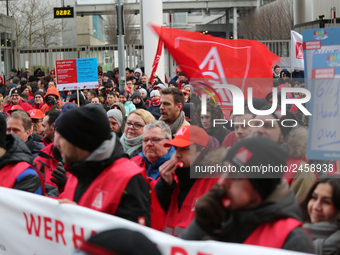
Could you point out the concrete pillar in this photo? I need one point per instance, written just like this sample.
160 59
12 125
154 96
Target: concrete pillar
152 13
299 12
235 23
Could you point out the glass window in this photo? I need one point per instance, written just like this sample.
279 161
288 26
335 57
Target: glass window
3 40
9 40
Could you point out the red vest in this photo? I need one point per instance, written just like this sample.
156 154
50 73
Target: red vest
293 166
105 192
9 174
273 234
50 164
176 221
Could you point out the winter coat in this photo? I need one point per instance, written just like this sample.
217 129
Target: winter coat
135 200
326 237
129 106
295 144
34 146
152 170
51 91
155 111
25 106
239 225
16 152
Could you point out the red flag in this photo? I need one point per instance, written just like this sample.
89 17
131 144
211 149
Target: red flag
205 56
156 61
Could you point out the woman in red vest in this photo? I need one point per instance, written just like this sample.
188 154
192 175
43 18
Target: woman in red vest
249 206
321 211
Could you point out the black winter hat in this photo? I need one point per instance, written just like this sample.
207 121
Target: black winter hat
260 152
258 103
136 94
120 242
85 127
3 129
39 93
124 93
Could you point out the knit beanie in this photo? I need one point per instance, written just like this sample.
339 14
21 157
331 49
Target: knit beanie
259 152
117 115
143 90
3 129
124 93
189 110
39 93
64 108
136 94
84 127
125 242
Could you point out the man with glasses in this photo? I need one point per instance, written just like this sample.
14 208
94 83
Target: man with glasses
37 118
15 100
154 154
180 185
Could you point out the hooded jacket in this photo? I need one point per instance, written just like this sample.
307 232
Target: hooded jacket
295 144
326 237
51 91
17 152
134 202
138 70
239 225
152 170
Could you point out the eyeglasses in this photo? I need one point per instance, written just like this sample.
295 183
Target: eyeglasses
36 121
134 125
154 140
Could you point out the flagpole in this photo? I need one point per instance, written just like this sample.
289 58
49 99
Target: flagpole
120 36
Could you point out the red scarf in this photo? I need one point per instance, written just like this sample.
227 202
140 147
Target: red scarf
156 102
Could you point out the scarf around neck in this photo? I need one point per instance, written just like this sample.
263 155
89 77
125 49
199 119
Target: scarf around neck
132 146
156 102
177 124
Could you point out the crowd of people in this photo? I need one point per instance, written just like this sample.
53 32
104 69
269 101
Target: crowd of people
141 147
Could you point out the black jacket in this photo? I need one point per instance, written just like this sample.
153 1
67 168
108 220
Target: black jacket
17 151
34 146
219 132
155 111
141 105
240 224
135 201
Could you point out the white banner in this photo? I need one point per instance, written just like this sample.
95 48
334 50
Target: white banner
296 53
32 224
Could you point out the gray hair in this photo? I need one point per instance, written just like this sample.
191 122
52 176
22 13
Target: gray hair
160 124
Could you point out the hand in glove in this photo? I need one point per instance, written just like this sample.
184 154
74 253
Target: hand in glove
211 208
59 175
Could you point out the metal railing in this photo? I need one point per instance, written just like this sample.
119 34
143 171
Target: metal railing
278 47
30 59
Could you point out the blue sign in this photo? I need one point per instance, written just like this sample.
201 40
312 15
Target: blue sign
318 41
87 70
324 124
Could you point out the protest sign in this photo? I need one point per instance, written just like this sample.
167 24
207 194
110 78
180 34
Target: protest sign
75 74
324 124
33 224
